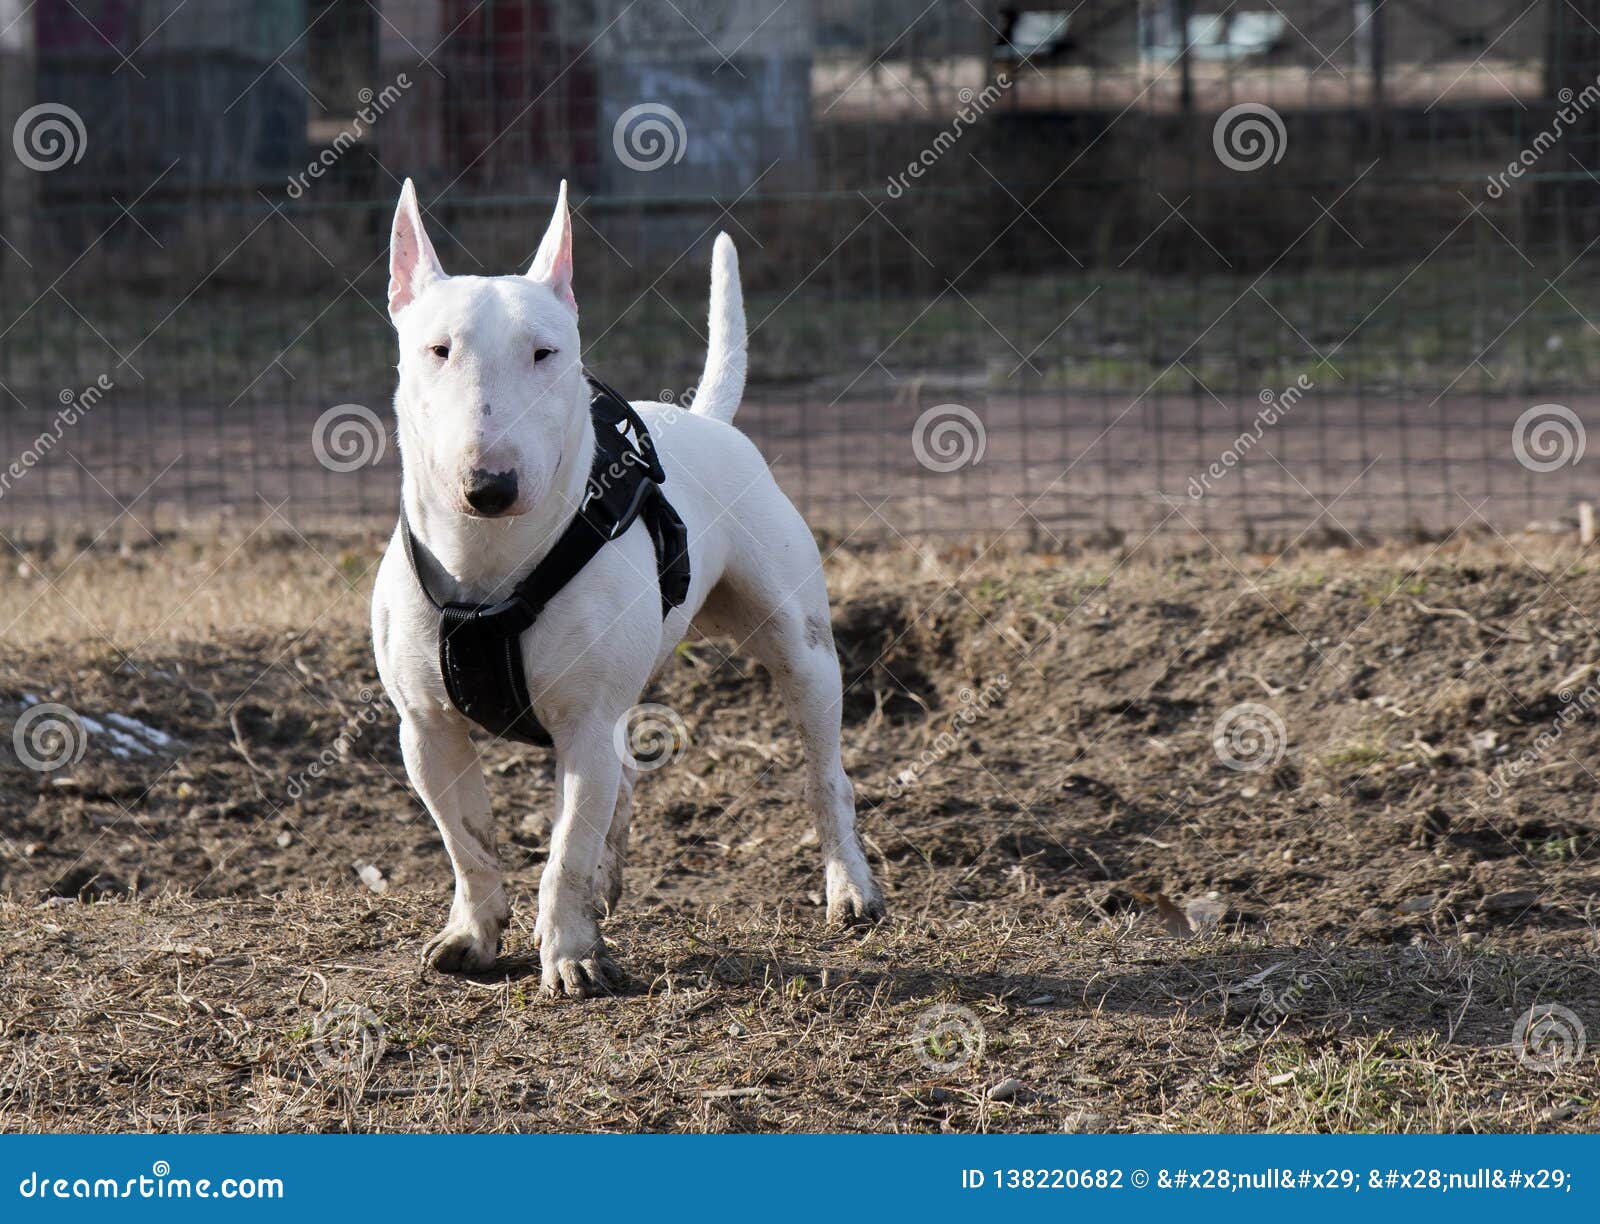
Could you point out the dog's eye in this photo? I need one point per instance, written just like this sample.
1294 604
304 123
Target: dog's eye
441 351
539 354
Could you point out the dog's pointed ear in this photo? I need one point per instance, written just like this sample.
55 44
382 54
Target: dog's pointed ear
413 265
553 264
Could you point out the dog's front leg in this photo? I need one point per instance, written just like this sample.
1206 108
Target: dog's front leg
443 766
571 951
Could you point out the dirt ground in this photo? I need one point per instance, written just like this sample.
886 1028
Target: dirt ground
1175 841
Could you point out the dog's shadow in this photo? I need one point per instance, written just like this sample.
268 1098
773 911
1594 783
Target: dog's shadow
1361 990
1370 990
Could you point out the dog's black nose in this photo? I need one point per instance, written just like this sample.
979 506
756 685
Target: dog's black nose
491 492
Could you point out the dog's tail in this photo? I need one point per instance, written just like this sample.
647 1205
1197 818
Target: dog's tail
722 381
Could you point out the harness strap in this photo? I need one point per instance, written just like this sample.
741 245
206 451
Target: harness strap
480 650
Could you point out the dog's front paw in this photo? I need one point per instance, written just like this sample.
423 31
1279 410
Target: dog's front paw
853 902
469 941
575 961
464 947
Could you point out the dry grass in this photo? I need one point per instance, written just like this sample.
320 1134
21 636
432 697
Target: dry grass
179 935
177 1015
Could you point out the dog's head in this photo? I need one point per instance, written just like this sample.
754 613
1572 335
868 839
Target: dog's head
491 390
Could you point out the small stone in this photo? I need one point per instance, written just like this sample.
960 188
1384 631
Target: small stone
1559 1112
371 877
1039 1000
1418 905
1005 1090
1511 901
736 1029
283 840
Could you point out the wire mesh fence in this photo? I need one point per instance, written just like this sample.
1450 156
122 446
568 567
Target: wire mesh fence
1263 270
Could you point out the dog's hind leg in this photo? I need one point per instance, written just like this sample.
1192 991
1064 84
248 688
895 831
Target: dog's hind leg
443 766
608 882
784 620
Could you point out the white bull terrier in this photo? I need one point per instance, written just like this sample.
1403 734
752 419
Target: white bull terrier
496 444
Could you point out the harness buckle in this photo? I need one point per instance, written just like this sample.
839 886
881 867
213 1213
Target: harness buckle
509 616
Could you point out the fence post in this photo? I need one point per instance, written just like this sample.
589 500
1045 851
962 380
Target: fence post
1572 61
1379 44
18 184
1185 10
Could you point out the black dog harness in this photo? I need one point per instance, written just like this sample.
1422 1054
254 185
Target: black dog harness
480 651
